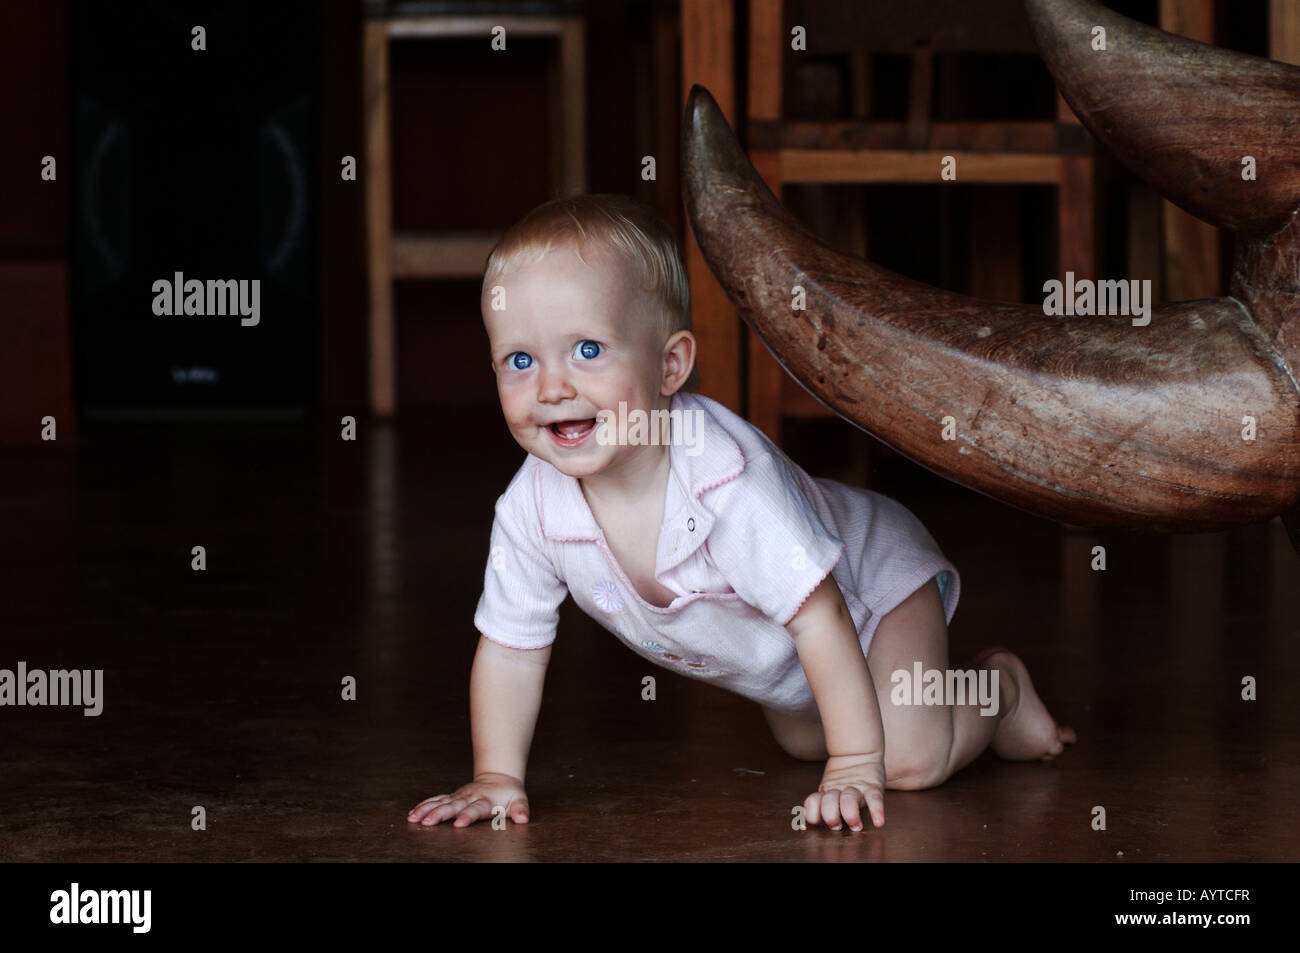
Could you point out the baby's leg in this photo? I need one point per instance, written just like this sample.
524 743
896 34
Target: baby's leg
926 744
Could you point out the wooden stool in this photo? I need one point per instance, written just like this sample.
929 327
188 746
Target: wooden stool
452 254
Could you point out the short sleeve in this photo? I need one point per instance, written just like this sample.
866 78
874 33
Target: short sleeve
522 591
769 542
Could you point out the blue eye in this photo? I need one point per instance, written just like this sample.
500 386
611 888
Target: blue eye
516 358
588 349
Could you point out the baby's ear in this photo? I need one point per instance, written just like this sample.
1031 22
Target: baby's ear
679 360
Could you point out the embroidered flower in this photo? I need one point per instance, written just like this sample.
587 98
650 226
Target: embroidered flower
697 664
607 596
704 664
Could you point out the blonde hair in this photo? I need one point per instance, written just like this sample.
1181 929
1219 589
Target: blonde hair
627 228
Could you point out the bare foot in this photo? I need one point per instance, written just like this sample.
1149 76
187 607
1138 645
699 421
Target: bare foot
1027 731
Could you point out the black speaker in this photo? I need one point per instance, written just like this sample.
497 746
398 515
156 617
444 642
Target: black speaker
195 205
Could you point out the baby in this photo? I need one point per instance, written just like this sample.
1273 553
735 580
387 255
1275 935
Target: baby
721 559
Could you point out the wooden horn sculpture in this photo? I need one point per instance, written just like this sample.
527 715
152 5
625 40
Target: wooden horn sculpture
1087 420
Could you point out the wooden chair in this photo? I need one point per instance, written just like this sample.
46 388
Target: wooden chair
1055 152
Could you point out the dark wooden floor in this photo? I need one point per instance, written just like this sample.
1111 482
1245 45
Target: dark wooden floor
328 559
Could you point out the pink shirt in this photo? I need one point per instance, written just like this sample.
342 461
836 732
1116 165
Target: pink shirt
746 537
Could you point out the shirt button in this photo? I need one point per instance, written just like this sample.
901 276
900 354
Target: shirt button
690 524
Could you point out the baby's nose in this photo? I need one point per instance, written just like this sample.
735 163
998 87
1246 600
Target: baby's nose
553 384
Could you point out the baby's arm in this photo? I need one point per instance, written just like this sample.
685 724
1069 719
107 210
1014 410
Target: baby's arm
833 660
505 695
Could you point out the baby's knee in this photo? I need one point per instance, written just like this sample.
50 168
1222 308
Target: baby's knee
921 763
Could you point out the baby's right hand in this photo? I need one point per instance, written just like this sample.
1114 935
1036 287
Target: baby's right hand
475 801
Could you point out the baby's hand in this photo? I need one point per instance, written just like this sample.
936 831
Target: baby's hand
475 801
848 782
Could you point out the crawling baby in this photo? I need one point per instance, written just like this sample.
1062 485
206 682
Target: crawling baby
684 531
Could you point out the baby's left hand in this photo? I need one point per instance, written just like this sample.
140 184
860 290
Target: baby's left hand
848 782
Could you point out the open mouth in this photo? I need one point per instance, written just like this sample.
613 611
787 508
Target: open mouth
569 430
